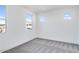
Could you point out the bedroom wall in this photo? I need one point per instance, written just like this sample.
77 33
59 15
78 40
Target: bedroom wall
54 26
78 25
16 34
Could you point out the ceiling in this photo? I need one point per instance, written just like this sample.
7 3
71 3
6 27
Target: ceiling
44 8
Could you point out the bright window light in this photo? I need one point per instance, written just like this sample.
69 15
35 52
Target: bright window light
67 16
42 19
29 18
2 18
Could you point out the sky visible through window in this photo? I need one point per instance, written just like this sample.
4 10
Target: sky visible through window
67 16
42 18
2 14
29 17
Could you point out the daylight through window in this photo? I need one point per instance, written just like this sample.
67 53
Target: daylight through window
2 18
29 18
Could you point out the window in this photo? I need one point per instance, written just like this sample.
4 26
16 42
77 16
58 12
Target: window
29 18
2 18
42 18
67 16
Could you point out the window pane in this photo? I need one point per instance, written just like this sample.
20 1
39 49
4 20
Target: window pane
42 18
67 16
29 21
2 18
29 18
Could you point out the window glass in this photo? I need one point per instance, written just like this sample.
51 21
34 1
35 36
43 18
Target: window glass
67 16
29 18
2 18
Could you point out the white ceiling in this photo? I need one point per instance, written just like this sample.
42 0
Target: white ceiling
44 8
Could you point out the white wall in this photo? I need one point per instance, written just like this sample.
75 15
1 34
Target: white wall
78 25
56 28
16 34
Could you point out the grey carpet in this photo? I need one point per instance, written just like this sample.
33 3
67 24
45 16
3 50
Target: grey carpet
40 45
